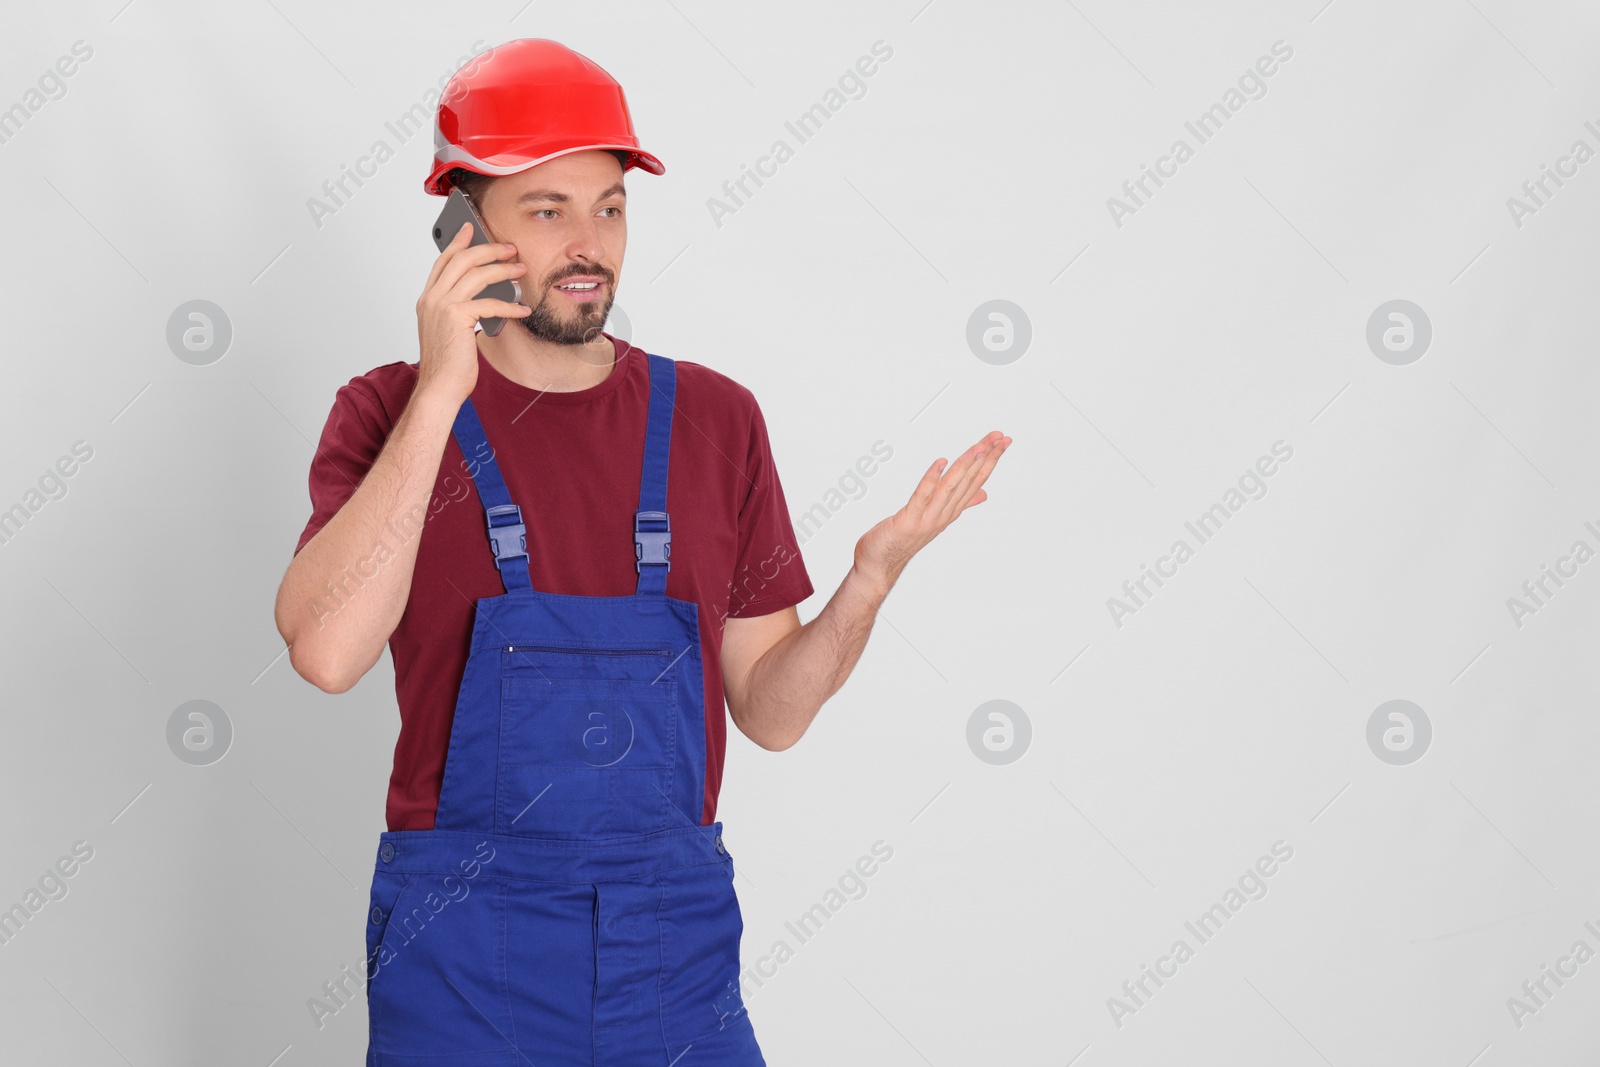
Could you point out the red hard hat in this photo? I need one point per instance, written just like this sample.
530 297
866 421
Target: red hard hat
524 102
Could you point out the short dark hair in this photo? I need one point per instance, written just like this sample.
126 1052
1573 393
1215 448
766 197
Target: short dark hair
473 183
469 182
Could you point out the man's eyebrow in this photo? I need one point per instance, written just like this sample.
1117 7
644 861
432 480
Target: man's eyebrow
562 198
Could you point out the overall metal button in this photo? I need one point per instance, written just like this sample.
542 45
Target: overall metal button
377 915
386 852
720 849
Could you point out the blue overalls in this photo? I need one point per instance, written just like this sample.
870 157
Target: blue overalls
567 908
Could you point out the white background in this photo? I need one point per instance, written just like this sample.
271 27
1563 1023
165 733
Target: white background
1168 353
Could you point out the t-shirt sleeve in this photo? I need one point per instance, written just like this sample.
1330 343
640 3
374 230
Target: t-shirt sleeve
769 575
351 440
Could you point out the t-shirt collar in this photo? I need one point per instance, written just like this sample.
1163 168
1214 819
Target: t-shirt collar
619 370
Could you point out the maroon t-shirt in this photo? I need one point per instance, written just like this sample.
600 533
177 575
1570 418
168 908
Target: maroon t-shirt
572 462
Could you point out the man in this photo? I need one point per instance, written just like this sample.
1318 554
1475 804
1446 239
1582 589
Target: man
553 887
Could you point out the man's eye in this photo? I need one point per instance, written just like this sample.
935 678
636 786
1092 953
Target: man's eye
542 210
618 211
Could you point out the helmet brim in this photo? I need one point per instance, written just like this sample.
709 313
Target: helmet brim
515 162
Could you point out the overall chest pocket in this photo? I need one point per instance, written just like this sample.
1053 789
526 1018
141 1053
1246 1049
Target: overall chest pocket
588 741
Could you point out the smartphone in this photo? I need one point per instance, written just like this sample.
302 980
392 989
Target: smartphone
457 210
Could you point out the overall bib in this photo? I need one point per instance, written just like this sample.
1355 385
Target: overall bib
567 908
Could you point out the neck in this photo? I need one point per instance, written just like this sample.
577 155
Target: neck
543 365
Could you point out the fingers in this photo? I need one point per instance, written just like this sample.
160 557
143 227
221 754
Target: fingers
476 280
958 481
930 479
489 308
458 241
969 491
478 258
458 258
944 492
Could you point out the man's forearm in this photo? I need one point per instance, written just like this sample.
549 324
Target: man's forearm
789 684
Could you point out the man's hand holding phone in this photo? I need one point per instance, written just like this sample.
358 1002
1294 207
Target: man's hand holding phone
449 310
334 649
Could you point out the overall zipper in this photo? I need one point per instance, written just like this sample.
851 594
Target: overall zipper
591 651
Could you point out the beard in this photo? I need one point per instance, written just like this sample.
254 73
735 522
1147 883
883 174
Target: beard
580 325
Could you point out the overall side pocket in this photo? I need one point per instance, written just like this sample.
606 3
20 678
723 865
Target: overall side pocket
385 901
700 930
441 984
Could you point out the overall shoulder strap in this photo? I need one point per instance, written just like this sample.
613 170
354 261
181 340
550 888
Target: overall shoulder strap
508 537
652 533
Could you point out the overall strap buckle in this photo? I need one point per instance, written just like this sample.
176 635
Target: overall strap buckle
652 539
508 539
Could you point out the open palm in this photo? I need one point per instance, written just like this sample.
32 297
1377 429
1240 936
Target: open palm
939 497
